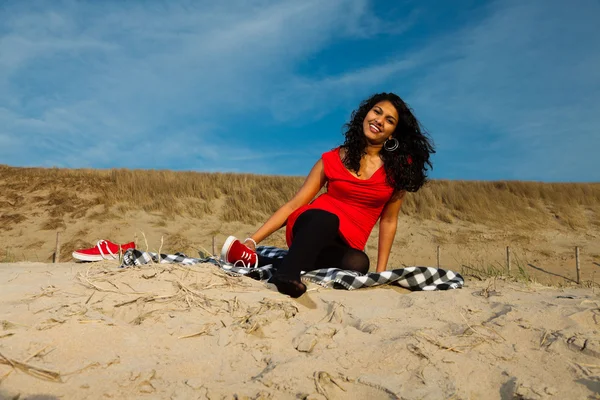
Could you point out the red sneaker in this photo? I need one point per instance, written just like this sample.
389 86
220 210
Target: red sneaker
104 250
236 253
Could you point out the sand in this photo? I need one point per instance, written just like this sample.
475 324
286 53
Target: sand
93 331
546 256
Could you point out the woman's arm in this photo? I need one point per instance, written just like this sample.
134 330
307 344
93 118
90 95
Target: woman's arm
313 183
387 229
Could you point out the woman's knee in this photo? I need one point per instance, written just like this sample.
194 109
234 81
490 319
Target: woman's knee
318 218
356 260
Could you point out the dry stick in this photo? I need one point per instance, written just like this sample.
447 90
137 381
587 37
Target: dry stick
577 263
379 387
146 241
57 248
140 318
214 246
145 298
438 344
37 353
162 240
204 331
508 259
148 299
30 369
438 256
109 282
131 287
194 293
485 327
86 282
89 298
26 360
589 365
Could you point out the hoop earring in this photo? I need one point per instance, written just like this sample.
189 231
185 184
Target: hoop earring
393 146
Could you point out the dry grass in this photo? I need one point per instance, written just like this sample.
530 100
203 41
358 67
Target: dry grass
37 372
481 269
35 245
53 224
247 198
8 220
67 248
179 243
7 255
508 202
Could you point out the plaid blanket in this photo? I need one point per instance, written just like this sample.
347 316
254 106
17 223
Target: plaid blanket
412 278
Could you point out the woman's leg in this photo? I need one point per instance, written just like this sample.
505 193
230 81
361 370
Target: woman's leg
340 255
313 231
337 255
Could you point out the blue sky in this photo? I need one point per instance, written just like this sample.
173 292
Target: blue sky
507 89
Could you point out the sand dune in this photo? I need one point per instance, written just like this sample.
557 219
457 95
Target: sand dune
472 222
93 331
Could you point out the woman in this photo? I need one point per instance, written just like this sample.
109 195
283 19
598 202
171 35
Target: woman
385 154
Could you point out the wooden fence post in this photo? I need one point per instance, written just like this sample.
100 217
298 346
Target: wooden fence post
508 259
438 256
57 248
577 263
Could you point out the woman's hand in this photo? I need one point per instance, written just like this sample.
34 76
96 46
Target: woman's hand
251 244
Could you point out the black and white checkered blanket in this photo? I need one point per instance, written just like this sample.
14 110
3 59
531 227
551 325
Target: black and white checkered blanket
412 278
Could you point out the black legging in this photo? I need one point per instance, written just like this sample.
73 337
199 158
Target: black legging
317 244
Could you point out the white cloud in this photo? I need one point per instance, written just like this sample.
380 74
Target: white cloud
93 75
513 94
315 97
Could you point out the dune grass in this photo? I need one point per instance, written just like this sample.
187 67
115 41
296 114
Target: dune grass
251 198
482 269
52 199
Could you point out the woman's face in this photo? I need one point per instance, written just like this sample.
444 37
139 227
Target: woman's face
380 122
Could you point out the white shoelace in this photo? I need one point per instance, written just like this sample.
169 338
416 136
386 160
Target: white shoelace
99 246
245 264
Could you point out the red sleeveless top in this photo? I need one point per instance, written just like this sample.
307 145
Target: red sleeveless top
358 203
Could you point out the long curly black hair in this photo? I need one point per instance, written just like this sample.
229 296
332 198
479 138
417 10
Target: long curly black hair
406 167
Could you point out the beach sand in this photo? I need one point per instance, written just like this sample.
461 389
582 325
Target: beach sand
94 331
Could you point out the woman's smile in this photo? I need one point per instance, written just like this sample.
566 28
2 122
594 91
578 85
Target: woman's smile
374 128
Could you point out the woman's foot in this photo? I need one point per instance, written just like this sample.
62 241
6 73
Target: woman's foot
238 254
290 286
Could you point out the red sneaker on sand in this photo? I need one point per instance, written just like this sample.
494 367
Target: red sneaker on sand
104 250
236 253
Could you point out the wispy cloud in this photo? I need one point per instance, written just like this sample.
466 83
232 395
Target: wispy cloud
92 81
512 92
